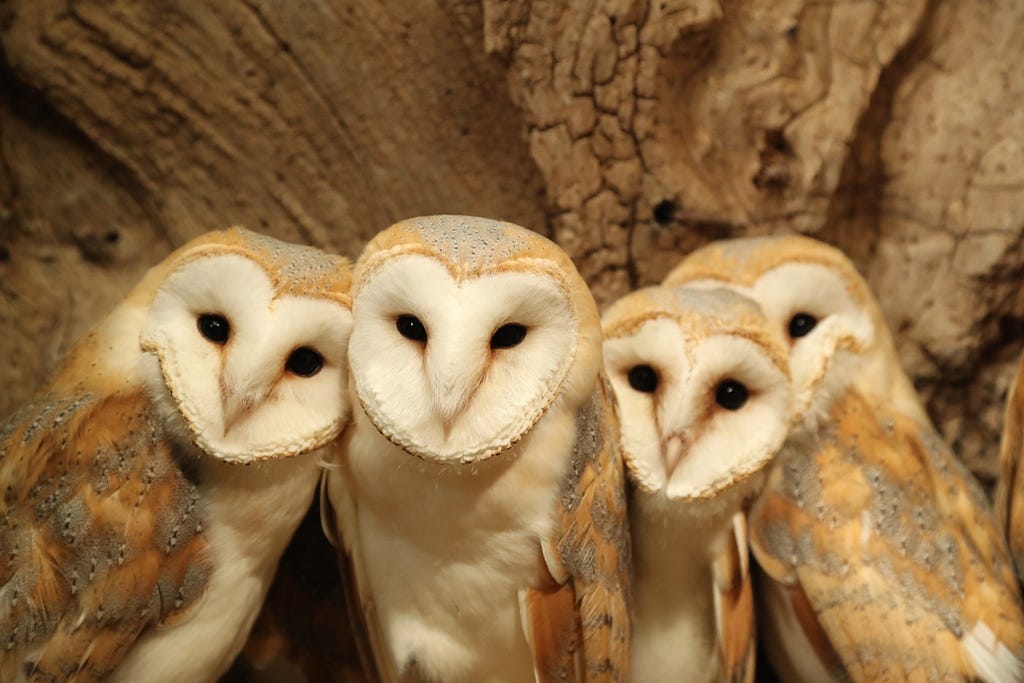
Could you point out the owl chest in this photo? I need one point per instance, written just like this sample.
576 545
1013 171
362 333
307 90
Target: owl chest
446 553
674 627
246 534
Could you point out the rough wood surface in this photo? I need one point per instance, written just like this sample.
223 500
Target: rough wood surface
630 130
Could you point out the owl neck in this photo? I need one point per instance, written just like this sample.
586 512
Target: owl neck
674 612
676 536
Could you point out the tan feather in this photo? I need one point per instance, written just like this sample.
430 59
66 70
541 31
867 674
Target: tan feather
100 534
553 632
887 535
1009 494
593 539
734 607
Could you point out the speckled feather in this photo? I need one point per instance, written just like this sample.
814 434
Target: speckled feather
593 546
887 534
880 541
97 544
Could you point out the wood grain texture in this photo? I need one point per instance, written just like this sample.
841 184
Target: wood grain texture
630 131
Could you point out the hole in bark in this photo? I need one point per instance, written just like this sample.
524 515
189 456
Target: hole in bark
775 139
1011 327
5 254
664 211
792 31
612 19
112 237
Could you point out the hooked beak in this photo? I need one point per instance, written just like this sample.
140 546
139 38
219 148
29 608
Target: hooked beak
237 405
453 387
673 448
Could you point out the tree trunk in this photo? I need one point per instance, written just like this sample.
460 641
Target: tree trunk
629 131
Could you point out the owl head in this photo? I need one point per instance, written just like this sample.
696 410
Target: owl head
466 331
702 382
244 344
815 297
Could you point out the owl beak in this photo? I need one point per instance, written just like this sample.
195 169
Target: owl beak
673 448
453 388
237 406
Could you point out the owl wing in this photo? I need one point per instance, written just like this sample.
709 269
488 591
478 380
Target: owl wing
99 535
734 607
588 560
887 538
1009 494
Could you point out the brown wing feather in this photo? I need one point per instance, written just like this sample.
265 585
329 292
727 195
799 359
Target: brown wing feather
592 542
1009 495
734 607
99 535
553 632
893 543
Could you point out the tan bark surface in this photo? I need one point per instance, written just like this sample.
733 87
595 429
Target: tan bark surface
629 130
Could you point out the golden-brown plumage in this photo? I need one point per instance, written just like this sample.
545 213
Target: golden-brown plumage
592 542
1009 494
881 558
890 540
97 543
736 636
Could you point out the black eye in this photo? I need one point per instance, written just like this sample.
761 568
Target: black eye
643 378
731 395
214 327
801 324
304 362
507 336
410 327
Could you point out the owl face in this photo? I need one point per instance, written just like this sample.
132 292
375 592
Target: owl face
245 344
814 296
466 330
701 379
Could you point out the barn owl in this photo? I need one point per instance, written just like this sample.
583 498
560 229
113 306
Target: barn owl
479 491
702 382
152 486
1009 494
881 559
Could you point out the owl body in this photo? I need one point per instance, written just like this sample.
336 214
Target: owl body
879 555
701 379
674 635
136 543
245 536
480 450
457 619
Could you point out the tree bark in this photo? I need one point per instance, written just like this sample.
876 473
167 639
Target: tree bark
630 131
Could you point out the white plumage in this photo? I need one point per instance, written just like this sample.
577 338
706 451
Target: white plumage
701 379
466 485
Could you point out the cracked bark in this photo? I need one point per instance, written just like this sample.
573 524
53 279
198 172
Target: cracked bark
631 131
